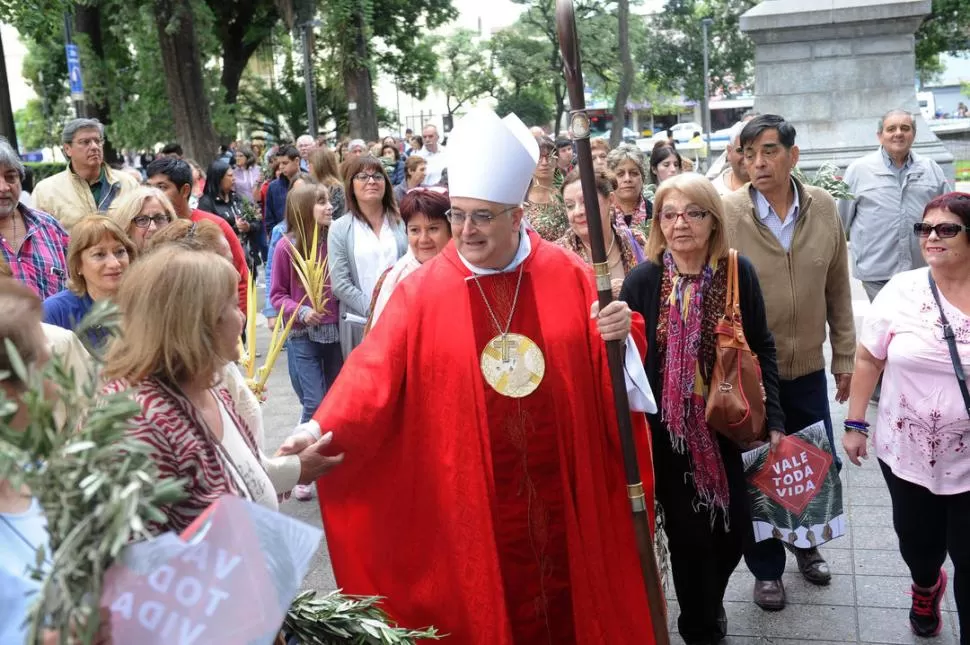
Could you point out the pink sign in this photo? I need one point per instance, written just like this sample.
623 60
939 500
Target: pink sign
213 585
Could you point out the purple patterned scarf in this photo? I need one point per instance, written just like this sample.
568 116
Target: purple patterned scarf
682 402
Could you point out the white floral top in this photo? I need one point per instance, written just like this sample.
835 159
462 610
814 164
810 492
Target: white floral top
922 431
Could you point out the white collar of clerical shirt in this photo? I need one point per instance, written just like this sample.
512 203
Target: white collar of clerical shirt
525 248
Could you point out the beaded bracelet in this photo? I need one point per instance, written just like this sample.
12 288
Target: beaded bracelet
861 427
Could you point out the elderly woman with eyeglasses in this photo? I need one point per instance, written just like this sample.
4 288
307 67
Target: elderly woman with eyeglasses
632 208
141 213
698 474
917 336
362 247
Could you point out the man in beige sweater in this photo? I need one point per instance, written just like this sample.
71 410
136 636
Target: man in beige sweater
793 235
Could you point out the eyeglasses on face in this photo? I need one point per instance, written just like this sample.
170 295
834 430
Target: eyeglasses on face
480 218
88 141
943 231
364 177
144 221
690 215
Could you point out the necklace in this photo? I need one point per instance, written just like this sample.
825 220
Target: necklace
589 251
512 364
12 240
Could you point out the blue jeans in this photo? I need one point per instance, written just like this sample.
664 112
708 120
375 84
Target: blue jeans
316 367
805 400
292 370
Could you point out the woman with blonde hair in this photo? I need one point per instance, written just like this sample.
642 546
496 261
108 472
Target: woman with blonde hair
698 475
171 364
326 170
141 213
97 258
203 235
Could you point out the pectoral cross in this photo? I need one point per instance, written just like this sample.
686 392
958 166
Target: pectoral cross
505 345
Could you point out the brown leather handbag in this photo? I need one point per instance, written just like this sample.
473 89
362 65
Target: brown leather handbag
736 399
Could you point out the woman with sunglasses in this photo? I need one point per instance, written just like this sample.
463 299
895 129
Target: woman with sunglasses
362 247
921 432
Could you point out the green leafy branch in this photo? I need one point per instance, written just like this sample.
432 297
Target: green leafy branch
336 619
98 488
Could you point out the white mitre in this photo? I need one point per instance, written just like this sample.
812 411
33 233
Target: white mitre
509 151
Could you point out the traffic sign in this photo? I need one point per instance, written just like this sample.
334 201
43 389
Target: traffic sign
74 72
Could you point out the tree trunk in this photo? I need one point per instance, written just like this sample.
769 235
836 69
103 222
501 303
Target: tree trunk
7 127
183 80
559 89
358 83
626 79
87 22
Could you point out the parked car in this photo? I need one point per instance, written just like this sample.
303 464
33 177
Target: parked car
629 136
682 132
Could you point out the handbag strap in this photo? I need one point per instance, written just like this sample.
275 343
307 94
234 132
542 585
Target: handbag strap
951 344
730 297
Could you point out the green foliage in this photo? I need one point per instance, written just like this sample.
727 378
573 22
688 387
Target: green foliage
43 170
466 72
527 53
674 61
945 30
335 619
281 110
98 488
532 105
36 130
826 178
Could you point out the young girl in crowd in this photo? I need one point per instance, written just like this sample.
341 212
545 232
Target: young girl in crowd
313 346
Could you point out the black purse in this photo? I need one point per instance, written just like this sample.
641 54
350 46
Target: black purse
951 343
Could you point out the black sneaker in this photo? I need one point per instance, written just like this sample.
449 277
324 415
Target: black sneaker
925 618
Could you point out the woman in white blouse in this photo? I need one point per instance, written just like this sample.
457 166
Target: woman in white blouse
361 248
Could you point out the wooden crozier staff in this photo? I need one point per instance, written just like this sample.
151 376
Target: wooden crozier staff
615 350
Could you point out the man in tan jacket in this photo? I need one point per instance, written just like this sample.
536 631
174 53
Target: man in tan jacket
793 235
88 186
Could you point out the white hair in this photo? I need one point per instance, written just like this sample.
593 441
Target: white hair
735 132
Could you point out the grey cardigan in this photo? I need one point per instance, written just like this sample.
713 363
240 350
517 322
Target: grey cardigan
343 274
880 219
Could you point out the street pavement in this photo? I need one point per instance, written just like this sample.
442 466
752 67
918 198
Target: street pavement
866 603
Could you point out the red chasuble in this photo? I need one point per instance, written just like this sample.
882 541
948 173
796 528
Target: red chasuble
496 520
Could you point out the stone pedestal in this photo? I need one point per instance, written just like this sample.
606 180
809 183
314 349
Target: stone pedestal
834 67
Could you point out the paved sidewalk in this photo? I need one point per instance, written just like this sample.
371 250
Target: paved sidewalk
865 603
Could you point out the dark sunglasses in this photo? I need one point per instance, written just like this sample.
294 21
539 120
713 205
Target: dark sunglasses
943 231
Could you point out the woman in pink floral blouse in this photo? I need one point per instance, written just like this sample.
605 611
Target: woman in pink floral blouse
922 429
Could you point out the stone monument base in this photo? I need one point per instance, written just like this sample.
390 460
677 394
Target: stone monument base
834 69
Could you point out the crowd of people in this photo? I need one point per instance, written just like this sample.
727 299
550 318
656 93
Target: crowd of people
455 418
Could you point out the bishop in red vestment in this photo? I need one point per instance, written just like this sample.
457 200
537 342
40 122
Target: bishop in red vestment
493 508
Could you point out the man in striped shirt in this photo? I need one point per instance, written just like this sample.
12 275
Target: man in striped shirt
32 242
